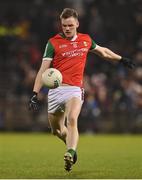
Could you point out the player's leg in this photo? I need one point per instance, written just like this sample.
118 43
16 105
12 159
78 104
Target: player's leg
57 121
73 108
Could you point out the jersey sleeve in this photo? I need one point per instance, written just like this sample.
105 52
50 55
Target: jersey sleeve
49 51
93 45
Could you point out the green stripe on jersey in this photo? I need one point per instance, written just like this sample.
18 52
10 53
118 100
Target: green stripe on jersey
93 44
49 51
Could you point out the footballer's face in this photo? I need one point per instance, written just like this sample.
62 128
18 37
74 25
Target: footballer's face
69 26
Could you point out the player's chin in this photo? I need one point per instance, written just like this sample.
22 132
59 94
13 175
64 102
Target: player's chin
68 35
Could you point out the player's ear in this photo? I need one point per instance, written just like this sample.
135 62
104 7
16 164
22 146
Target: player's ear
77 24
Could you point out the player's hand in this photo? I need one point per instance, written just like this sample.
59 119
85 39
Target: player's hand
34 103
127 62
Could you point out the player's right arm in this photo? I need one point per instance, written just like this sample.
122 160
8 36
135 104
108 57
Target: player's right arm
34 102
38 83
46 62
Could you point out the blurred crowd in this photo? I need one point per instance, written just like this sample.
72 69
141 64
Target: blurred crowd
113 94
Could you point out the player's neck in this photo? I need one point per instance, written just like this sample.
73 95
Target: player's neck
69 38
73 38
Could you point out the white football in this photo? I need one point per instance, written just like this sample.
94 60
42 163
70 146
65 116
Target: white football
52 78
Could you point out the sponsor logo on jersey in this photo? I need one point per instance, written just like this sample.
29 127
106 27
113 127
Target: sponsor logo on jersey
76 52
62 46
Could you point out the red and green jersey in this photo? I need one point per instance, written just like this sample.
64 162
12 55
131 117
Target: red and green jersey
69 56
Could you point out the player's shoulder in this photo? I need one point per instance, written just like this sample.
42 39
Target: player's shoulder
83 35
55 37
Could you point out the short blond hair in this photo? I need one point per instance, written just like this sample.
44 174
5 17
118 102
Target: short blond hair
68 12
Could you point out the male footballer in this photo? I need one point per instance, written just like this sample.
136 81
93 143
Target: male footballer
67 51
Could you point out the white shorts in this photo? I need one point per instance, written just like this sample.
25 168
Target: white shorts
58 97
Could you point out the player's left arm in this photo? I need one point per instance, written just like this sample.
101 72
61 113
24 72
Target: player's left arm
107 54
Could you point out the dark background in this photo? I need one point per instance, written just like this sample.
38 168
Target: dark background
113 98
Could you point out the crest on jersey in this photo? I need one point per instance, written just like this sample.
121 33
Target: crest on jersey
85 43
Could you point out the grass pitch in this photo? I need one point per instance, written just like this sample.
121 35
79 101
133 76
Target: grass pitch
37 155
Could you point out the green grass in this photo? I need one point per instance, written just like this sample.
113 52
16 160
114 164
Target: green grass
35 155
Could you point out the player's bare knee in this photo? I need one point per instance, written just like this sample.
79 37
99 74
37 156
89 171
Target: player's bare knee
72 122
